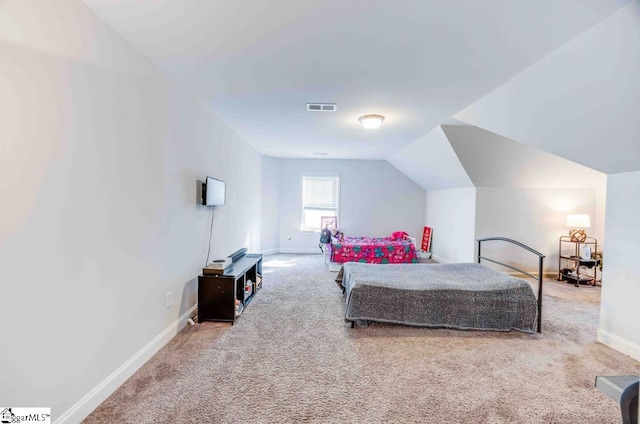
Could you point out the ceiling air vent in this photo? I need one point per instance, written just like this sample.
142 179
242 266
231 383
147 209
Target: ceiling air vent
322 107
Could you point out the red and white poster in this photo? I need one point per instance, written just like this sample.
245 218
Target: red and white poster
426 239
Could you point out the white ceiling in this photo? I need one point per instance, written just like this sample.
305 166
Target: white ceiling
418 62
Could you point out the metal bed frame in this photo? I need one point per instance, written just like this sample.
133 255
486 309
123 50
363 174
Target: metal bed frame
539 277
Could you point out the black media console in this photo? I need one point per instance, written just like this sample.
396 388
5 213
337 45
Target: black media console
223 297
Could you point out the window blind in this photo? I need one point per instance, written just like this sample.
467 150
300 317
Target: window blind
320 192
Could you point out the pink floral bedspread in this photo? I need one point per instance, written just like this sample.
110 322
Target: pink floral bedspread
373 250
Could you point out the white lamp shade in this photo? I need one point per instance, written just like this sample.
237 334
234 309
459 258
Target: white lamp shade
578 221
371 122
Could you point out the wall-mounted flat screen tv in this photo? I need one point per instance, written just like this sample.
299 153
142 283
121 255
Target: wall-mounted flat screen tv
214 192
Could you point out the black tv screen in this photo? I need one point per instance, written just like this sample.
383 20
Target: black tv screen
214 192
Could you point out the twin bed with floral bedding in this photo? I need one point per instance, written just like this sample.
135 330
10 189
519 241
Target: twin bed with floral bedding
374 250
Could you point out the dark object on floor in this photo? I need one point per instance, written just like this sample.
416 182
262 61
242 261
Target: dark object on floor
624 390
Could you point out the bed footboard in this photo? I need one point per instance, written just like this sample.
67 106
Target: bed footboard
538 277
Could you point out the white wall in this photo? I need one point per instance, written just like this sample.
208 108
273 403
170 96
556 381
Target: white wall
270 205
533 216
375 200
451 214
99 161
619 323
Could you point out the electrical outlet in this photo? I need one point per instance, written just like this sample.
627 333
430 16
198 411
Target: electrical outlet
168 299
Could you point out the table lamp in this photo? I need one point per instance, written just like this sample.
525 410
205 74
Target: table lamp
577 222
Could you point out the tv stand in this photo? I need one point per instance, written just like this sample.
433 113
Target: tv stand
223 297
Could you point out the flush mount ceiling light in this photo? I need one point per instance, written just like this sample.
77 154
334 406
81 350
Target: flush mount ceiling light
371 122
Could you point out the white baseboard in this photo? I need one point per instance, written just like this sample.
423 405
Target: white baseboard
315 250
440 259
102 391
270 251
618 343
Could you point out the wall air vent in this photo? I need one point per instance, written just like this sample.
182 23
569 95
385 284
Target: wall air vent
322 107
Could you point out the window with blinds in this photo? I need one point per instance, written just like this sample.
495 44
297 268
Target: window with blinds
320 194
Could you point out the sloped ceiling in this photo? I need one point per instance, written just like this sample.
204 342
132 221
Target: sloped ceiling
432 163
416 62
462 156
19 24
581 102
491 160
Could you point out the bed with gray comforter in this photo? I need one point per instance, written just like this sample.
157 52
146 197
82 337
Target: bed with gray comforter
465 296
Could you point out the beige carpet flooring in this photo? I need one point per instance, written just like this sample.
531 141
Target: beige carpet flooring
291 358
